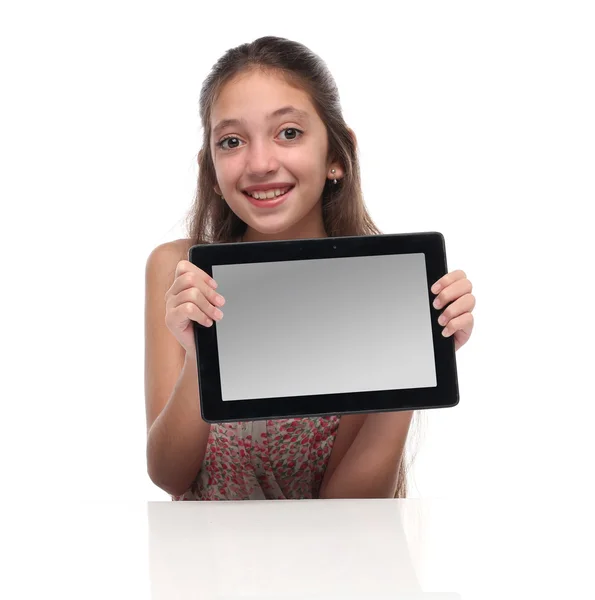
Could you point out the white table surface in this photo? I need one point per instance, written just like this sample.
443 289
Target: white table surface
308 549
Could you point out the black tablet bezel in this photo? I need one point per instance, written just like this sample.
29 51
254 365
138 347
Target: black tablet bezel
215 410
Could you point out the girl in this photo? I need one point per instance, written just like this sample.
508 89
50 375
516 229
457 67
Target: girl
277 162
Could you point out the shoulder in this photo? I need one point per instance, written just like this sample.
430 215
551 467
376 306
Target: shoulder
174 250
169 253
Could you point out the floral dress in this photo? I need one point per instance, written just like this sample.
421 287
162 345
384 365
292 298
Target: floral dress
258 460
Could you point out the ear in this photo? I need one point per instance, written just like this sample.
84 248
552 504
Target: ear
339 171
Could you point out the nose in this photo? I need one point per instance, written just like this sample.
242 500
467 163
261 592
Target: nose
261 158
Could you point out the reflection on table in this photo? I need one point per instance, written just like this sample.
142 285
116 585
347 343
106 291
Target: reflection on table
307 549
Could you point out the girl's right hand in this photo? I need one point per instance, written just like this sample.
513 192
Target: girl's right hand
192 297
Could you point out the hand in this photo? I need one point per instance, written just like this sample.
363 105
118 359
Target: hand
191 297
454 292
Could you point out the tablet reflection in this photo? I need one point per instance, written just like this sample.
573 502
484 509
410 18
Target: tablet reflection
310 549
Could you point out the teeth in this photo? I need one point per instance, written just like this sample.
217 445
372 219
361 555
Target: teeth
268 194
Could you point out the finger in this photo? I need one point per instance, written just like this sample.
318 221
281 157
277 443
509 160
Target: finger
189 275
189 311
192 284
464 323
197 297
445 281
452 292
180 316
202 275
209 293
465 303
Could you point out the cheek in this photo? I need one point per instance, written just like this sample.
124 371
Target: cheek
227 172
310 170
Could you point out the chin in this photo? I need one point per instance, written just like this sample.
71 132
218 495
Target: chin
271 228
277 223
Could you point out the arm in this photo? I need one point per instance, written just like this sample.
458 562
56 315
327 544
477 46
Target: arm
176 434
367 465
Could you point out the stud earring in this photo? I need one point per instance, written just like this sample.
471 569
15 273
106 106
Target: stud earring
334 180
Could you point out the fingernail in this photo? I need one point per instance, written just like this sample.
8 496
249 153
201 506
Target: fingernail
220 300
442 320
435 288
218 314
445 332
436 303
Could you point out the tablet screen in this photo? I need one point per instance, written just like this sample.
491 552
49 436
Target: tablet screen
324 326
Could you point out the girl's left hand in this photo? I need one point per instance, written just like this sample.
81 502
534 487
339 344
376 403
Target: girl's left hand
454 292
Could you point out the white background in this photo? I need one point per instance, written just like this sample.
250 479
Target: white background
474 119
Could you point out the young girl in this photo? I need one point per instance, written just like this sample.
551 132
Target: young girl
277 162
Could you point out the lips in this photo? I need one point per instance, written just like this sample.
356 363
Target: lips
273 185
268 202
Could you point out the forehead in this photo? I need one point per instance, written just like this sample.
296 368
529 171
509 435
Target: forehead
254 97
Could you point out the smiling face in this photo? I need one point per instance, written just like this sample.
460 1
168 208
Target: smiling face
267 136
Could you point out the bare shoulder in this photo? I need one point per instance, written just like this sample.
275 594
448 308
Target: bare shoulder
182 245
176 248
165 257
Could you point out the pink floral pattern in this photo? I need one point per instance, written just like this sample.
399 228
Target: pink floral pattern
257 460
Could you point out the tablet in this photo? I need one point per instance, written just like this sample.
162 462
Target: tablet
324 326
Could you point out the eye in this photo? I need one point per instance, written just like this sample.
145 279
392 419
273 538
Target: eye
229 137
295 131
294 134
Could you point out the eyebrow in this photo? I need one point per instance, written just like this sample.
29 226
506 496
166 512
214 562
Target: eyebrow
285 110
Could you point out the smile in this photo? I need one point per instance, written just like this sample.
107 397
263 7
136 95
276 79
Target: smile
269 199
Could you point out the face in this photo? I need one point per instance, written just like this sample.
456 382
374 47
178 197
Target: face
258 147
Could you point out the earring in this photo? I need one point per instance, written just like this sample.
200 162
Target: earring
334 180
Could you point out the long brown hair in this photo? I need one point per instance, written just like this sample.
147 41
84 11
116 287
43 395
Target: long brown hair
210 219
